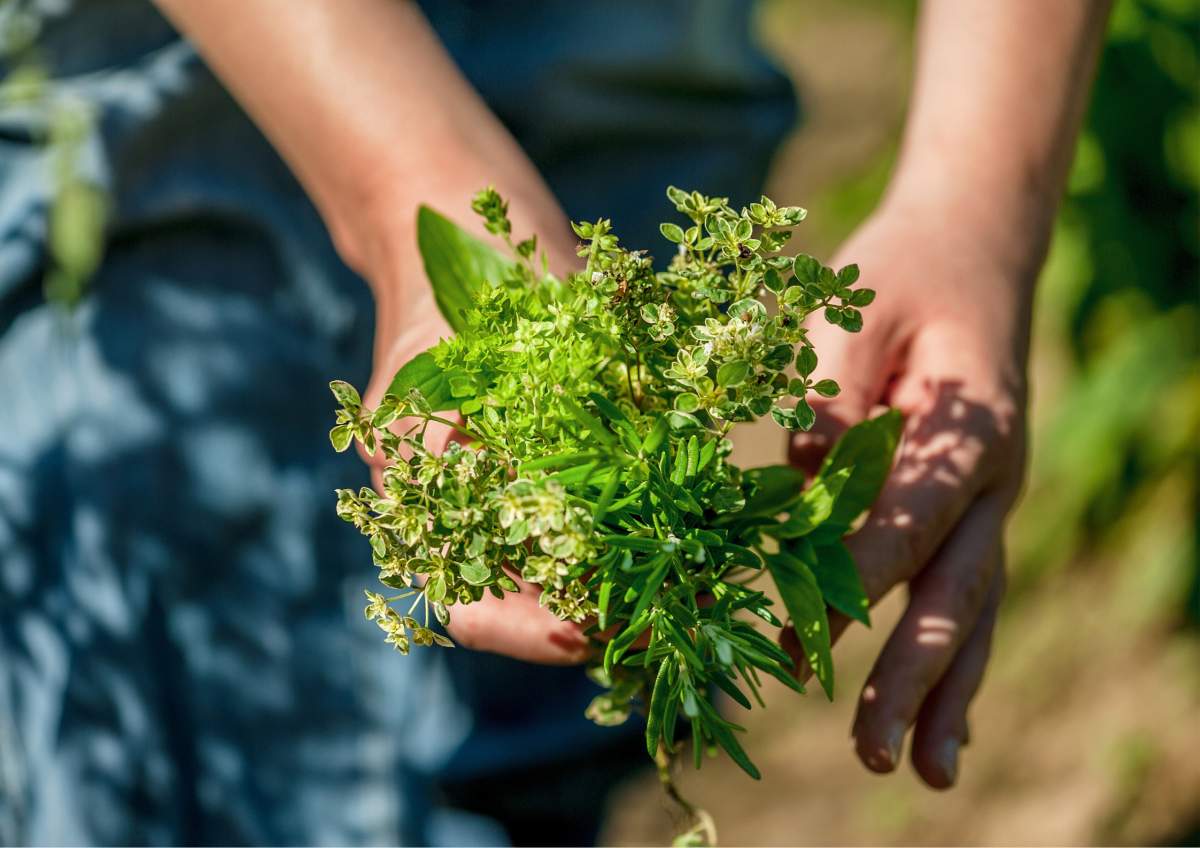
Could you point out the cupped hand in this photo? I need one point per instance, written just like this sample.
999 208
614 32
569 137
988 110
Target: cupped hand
407 323
944 342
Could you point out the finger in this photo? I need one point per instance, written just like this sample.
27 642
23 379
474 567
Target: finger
945 603
517 626
941 729
942 466
961 436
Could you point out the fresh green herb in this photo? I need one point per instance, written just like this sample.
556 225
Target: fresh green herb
594 415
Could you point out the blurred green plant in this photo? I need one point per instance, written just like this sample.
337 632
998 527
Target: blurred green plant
62 122
1121 421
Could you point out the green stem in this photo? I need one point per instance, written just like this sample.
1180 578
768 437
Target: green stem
470 434
702 823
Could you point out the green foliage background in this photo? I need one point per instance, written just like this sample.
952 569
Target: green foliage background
1116 447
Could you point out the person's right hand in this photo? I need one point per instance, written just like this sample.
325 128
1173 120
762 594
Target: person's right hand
945 343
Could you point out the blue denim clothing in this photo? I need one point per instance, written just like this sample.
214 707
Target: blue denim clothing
183 656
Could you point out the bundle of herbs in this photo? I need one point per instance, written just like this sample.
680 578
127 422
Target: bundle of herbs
594 415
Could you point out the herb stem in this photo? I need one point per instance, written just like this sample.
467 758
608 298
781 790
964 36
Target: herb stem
460 428
702 823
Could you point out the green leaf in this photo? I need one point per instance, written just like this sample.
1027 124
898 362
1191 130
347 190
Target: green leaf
826 388
424 374
838 577
729 687
723 735
813 508
475 572
862 297
456 263
659 696
848 275
566 459
606 588
654 581
775 488
341 437
606 496
619 420
693 458
385 413
805 415
785 418
682 422
687 402
77 219
624 639
634 543
806 361
461 386
346 395
806 269
658 433
733 373
435 588
591 423
868 448
802 596
791 295
748 309
671 232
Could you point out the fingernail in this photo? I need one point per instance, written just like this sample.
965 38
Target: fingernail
895 738
947 759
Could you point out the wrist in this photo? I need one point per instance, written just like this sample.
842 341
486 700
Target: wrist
376 232
934 266
1006 220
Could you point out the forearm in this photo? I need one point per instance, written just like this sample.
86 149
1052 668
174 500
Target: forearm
368 110
999 94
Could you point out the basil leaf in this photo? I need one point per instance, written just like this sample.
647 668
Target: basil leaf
424 374
775 488
802 597
456 263
868 449
838 578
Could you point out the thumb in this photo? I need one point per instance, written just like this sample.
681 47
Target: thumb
393 350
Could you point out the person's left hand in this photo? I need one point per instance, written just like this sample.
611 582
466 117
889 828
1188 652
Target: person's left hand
944 342
515 625
408 322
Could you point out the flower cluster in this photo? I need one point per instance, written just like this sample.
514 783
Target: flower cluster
455 521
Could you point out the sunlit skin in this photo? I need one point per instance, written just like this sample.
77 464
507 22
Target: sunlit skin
374 118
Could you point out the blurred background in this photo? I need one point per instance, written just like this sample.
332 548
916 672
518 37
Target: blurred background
1087 729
